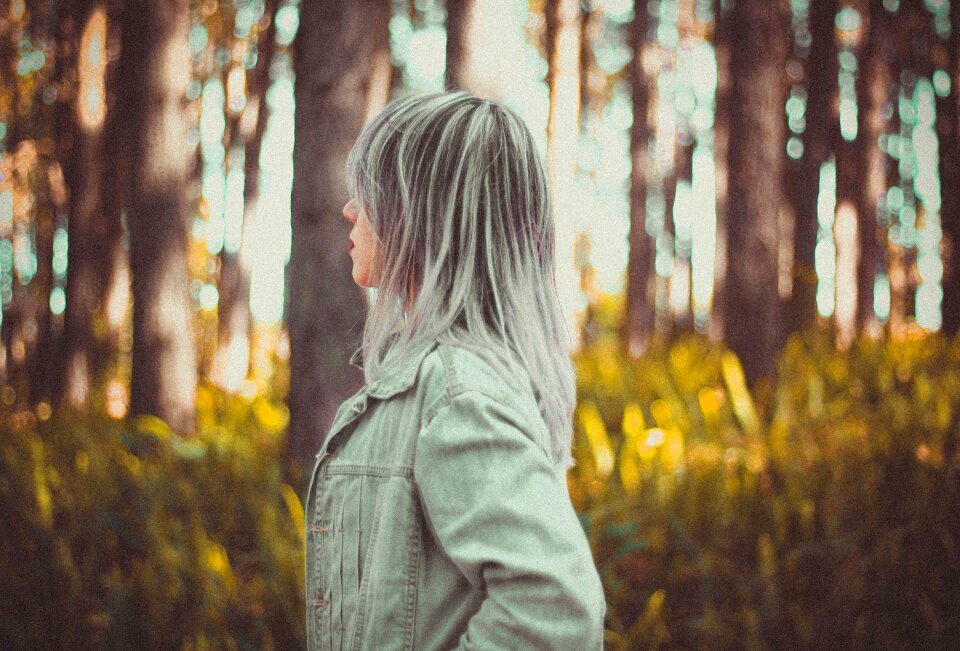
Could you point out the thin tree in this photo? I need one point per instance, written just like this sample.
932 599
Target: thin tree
474 60
948 133
231 359
593 81
721 141
563 129
154 75
873 97
849 222
803 175
909 36
641 282
338 56
758 42
42 179
93 231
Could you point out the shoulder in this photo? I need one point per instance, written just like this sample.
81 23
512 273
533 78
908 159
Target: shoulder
451 371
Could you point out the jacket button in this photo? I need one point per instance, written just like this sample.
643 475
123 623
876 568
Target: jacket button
320 602
319 528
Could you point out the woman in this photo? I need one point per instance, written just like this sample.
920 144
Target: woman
438 514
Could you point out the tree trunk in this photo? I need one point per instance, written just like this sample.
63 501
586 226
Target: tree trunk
155 72
563 131
93 230
231 360
804 176
681 286
873 95
41 357
909 38
333 51
948 133
641 279
46 186
684 138
593 81
849 222
114 200
474 56
752 310
894 252
721 143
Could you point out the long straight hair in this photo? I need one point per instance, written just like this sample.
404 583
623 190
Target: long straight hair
456 195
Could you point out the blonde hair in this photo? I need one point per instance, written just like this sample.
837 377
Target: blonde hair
456 194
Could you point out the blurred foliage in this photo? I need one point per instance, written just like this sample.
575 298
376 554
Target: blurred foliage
128 536
825 515
820 511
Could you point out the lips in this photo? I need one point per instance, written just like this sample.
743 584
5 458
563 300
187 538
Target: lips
350 248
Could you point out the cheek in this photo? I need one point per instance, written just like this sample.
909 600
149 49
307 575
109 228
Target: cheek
366 231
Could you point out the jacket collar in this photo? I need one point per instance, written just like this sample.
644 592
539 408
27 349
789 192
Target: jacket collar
396 378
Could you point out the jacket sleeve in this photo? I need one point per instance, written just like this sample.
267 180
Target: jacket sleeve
497 507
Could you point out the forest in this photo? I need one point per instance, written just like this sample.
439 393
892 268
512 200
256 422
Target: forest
757 209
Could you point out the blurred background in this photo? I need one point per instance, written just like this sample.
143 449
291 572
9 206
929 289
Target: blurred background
757 206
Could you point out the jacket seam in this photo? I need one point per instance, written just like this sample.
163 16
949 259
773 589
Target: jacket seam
374 471
362 593
414 542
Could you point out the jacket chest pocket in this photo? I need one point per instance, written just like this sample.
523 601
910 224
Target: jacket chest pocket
366 552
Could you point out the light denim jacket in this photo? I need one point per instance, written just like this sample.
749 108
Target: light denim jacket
435 520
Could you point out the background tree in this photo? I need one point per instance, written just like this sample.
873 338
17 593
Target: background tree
803 174
43 181
155 72
563 129
755 159
641 281
722 44
244 131
336 54
27 143
849 221
873 99
474 61
94 228
948 130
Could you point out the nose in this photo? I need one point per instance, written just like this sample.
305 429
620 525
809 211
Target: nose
351 210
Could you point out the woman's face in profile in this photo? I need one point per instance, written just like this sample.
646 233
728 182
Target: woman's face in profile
361 244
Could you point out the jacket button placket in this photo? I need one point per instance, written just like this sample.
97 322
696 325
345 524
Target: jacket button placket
318 528
353 410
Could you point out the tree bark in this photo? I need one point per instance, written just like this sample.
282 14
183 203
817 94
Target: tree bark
681 278
804 174
721 142
231 360
849 220
155 72
474 57
93 231
641 279
909 42
41 360
752 309
333 51
44 183
563 130
593 81
948 133
873 94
